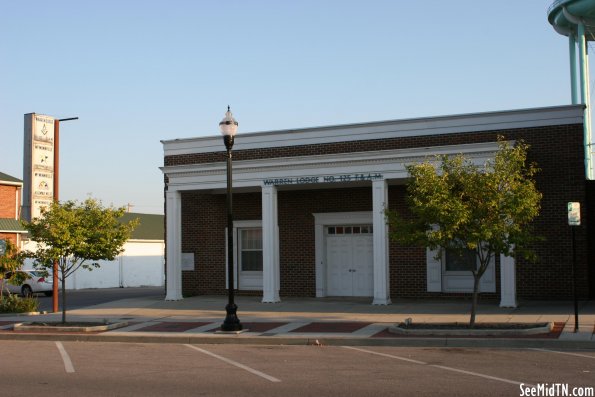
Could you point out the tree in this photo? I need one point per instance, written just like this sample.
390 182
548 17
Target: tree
461 207
10 261
77 235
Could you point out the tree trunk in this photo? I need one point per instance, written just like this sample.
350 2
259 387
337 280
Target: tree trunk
476 279
63 299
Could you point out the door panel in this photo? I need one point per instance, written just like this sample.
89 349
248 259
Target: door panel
339 261
363 257
350 265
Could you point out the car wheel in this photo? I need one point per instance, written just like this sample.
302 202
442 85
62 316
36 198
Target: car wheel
49 293
26 291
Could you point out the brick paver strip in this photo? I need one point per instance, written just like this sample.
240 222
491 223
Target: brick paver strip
171 326
343 327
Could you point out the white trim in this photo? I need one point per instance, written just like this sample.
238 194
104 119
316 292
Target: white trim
174 245
236 268
331 218
8 183
271 278
474 122
252 173
380 239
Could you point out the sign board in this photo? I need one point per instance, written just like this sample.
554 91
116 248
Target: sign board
299 180
2 247
188 261
574 214
38 166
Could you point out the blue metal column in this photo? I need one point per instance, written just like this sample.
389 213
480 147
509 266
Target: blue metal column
573 88
584 68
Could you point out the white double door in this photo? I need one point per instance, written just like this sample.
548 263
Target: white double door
349 261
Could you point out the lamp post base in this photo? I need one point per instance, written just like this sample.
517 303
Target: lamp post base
231 322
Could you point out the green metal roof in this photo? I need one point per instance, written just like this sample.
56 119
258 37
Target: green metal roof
11 225
7 178
150 227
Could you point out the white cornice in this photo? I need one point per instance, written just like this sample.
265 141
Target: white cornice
250 173
475 122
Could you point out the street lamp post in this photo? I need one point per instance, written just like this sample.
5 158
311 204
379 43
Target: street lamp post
229 127
57 199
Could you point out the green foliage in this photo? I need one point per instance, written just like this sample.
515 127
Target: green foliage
10 262
14 304
77 235
458 205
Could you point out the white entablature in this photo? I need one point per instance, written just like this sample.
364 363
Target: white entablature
389 164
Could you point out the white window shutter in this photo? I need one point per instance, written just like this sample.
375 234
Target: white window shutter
433 270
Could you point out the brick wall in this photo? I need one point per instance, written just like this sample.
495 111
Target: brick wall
9 236
556 149
8 200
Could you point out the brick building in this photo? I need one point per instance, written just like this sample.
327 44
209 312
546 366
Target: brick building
308 209
10 208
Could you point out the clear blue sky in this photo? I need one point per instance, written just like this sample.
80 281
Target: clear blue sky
137 72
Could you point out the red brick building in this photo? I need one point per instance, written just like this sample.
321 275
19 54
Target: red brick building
10 208
308 209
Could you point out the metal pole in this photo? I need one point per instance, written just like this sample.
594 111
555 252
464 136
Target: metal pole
55 307
574 293
231 322
573 79
55 270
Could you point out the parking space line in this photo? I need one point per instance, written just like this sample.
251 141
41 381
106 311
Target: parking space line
234 363
567 353
66 358
440 366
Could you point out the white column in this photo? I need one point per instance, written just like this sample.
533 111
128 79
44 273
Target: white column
381 272
270 246
507 282
174 245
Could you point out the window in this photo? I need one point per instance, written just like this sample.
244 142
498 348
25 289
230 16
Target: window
250 249
460 262
362 229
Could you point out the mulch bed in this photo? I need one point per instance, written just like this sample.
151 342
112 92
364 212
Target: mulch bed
553 334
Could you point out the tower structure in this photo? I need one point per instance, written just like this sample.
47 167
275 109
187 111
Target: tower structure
576 20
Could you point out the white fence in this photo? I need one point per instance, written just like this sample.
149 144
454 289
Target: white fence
141 264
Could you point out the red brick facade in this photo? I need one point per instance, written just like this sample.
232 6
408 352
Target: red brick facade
9 196
557 150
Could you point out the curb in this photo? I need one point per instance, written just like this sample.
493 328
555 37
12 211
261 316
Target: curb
319 341
45 328
397 329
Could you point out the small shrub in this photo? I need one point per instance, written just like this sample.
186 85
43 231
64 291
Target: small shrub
15 304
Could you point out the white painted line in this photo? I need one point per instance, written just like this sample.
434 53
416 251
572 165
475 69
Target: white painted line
134 327
559 352
386 355
67 363
440 366
203 328
370 330
242 366
286 328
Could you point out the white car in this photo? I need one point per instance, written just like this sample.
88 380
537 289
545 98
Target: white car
34 283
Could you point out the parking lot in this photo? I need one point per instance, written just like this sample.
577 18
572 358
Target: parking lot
128 369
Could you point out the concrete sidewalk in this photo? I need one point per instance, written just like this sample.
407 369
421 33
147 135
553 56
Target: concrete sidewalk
314 321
